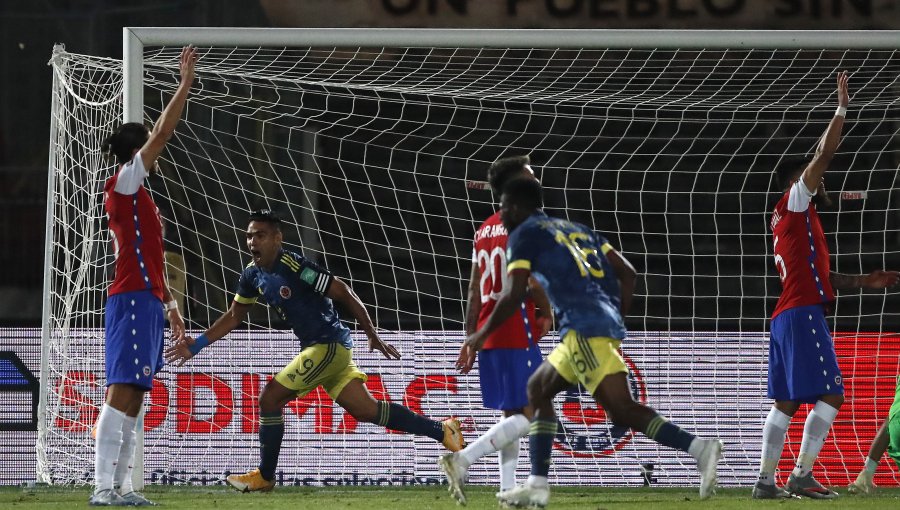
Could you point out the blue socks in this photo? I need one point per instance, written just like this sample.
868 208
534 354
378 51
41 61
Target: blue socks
668 434
397 417
540 446
271 431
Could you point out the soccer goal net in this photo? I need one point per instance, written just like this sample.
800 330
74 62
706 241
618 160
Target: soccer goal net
374 145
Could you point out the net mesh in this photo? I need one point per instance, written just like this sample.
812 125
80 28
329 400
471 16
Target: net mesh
375 157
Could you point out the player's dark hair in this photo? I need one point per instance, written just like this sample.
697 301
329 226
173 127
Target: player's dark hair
266 216
788 170
502 169
526 193
125 140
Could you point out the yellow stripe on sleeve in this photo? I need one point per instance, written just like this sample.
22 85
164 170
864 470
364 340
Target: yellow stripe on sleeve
244 300
518 264
605 248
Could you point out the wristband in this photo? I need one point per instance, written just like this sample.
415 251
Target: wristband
172 305
199 343
841 111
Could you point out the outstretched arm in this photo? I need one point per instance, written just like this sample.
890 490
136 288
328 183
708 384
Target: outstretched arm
627 276
341 293
878 279
828 144
165 126
186 348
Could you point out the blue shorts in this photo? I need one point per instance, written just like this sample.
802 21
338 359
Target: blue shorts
134 338
802 363
504 376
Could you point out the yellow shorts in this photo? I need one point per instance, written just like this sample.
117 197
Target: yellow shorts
328 365
587 360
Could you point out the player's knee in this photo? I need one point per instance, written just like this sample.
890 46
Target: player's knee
535 391
624 414
834 401
367 412
267 404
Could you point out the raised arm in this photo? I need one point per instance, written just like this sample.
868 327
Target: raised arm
165 126
186 348
341 293
627 276
829 142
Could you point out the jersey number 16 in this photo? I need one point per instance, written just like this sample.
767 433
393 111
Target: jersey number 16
587 259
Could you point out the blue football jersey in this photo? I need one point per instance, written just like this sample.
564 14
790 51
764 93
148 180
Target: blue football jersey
569 261
295 288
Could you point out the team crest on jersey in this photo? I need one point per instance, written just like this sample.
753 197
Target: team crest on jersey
838 380
284 292
146 371
583 428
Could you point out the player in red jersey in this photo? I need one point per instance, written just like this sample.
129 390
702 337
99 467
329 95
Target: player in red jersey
138 295
510 355
802 363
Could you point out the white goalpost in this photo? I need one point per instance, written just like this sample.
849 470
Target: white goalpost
373 144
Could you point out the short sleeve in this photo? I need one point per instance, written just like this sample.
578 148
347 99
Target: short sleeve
315 276
131 176
799 197
521 249
602 242
246 292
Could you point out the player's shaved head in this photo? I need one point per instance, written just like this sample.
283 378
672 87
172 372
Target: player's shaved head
525 193
521 198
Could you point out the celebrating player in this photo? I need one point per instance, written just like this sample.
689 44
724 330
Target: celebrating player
509 356
302 294
590 285
137 296
802 363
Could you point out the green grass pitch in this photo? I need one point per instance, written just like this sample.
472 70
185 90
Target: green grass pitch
433 498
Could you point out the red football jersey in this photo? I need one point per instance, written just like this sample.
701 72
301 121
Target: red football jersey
136 231
801 253
490 255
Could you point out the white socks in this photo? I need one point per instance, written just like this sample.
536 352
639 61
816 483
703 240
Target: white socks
509 460
499 436
109 443
773 443
125 465
818 423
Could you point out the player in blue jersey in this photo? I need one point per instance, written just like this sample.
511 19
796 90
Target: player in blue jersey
590 286
302 293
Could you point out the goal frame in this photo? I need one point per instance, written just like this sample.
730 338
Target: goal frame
135 39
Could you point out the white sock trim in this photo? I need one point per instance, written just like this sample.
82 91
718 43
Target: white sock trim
125 466
496 438
108 446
